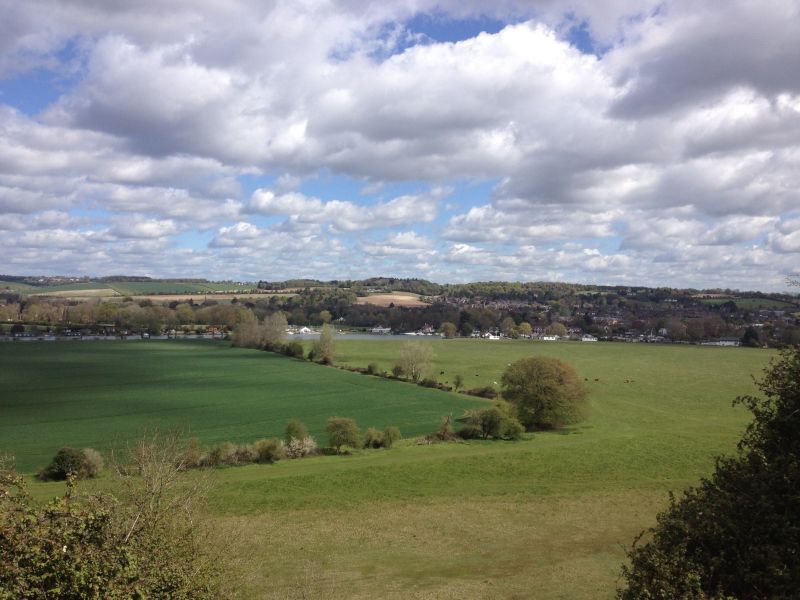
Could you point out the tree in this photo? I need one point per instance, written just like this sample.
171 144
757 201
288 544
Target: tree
325 316
343 432
736 534
524 329
248 333
557 329
415 360
295 430
448 330
274 330
458 382
78 463
547 392
508 327
324 347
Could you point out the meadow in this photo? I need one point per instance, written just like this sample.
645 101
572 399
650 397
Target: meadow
546 517
102 394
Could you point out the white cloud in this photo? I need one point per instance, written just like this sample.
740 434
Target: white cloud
673 152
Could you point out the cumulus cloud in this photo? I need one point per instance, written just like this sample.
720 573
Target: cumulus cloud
346 216
667 147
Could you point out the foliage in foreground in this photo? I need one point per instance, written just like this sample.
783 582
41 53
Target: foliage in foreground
547 392
145 544
737 534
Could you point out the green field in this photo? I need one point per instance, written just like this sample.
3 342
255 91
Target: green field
546 517
142 288
101 394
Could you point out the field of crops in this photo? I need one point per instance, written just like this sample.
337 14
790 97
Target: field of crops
547 517
126 288
102 394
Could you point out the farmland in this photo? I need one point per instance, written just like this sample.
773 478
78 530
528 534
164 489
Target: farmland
394 299
100 394
551 513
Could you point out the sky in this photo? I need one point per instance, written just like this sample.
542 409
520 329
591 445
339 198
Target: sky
630 142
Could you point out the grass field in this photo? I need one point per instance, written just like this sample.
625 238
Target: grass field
548 517
397 299
101 394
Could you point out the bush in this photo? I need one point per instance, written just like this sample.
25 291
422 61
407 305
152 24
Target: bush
295 430
445 432
374 438
546 391
397 371
269 450
343 432
470 432
483 392
294 349
429 382
245 454
498 421
135 546
736 534
458 382
372 368
223 453
391 435
81 463
193 454
297 448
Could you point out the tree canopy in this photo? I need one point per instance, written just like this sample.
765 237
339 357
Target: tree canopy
547 392
738 533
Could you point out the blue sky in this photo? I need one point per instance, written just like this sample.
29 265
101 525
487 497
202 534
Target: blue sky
643 143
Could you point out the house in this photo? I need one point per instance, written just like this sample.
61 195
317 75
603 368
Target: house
588 338
549 338
381 330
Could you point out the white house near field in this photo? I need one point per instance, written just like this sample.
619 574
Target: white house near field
588 338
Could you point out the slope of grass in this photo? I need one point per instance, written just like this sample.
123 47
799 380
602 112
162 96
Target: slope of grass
547 517
101 394
137 288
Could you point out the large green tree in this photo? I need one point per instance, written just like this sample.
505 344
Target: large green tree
547 392
736 535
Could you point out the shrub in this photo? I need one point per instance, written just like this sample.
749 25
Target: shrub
269 450
470 432
343 432
297 448
445 432
295 429
372 368
458 382
245 453
94 462
223 453
397 370
82 463
294 349
193 454
483 392
135 546
374 438
429 382
391 435
547 392
736 534
498 421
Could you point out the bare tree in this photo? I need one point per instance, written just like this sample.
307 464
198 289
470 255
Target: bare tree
415 359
